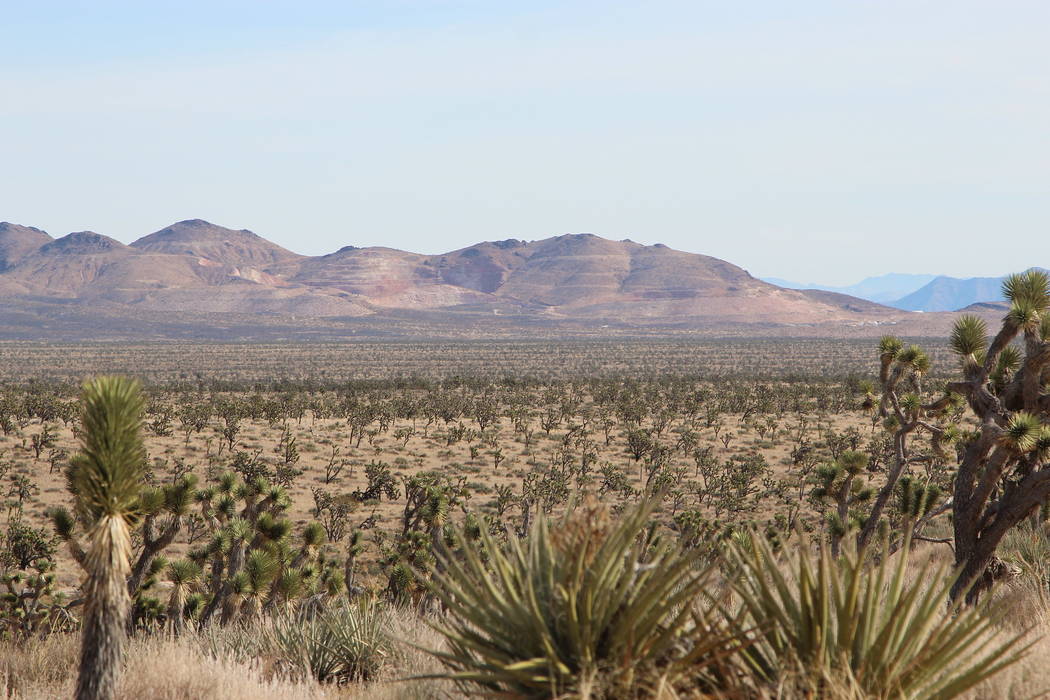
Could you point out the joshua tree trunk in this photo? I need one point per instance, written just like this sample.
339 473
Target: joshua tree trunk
105 610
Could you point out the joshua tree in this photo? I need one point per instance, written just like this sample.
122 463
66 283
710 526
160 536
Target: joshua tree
1003 472
901 369
105 478
183 574
841 485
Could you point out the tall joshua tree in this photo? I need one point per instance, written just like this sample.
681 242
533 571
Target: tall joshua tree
105 478
1004 473
1003 465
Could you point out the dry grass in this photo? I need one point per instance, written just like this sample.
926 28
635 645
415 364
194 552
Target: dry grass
163 668
157 668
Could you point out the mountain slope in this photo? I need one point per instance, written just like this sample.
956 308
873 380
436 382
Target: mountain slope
482 267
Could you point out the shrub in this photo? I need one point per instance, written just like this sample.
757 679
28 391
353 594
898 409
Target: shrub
590 606
832 620
337 645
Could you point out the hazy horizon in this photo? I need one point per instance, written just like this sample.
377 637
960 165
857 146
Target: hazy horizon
819 142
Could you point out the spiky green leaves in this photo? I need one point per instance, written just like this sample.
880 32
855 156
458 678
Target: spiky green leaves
914 358
1009 360
63 522
273 529
1042 443
543 617
260 568
889 346
915 498
226 506
1023 314
313 535
228 482
911 404
1029 296
1030 289
106 475
289 584
1023 432
969 339
949 436
338 645
151 500
853 461
183 572
826 618
179 496
238 530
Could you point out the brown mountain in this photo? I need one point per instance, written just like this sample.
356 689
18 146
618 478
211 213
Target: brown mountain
222 245
16 242
194 267
386 277
87 267
574 277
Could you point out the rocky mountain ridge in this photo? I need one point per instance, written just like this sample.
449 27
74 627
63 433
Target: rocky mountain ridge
195 267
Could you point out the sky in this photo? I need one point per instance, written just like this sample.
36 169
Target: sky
820 142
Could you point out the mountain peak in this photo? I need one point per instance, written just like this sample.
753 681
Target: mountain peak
204 239
206 227
82 242
18 241
509 244
7 226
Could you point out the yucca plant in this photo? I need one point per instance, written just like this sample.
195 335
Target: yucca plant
587 606
1028 548
105 477
338 645
825 619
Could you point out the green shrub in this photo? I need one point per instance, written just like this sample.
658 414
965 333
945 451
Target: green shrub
587 606
840 621
337 645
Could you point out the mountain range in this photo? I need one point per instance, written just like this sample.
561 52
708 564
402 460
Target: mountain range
913 292
951 293
884 289
205 276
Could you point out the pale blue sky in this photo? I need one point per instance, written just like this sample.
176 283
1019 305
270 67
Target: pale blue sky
817 141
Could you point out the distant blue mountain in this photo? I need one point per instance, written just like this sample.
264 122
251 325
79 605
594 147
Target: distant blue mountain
952 294
883 289
916 292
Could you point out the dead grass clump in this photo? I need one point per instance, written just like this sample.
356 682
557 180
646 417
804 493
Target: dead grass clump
166 669
39 668
158 668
